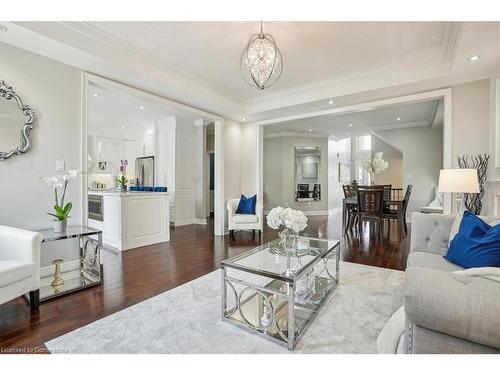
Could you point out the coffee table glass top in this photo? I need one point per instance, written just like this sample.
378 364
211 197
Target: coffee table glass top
264 261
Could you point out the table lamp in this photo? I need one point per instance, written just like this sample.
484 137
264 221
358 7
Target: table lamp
458 181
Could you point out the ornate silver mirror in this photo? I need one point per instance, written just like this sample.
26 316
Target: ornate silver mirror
16 119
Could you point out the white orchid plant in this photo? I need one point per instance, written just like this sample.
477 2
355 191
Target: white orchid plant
61 209
376 165
294 220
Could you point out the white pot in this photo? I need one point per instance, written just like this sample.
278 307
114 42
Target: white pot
60 226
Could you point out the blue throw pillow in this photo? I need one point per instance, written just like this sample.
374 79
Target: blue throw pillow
247 205
476 244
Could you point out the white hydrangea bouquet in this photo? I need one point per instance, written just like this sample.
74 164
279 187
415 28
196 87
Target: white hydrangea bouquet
375 166
292 221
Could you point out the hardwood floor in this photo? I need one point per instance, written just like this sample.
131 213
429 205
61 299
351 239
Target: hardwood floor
138 274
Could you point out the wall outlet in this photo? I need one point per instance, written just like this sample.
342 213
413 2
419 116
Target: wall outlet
60 166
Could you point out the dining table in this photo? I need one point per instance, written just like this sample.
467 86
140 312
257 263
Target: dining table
353 201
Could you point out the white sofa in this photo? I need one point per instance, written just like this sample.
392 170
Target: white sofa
19 264
244 222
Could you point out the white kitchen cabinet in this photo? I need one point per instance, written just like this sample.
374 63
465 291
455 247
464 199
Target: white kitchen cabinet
148 145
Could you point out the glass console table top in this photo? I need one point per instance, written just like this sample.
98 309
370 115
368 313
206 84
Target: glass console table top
288 266
72 231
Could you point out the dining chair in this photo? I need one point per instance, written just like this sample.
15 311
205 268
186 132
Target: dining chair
317 192
370 206
352 211
392 214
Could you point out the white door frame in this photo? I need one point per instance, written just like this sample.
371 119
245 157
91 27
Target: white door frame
445 94
219 209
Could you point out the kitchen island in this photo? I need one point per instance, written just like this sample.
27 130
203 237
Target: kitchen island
133 219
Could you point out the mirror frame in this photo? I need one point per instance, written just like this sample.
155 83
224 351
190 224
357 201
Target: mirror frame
8 93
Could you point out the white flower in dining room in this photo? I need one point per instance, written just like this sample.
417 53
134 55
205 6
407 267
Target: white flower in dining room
376 165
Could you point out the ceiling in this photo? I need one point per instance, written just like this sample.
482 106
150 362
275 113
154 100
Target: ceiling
197 63
118 112
427 113
312 51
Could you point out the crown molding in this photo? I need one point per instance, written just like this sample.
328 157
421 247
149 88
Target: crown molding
401 125
287 134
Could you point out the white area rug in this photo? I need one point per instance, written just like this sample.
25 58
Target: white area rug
187 319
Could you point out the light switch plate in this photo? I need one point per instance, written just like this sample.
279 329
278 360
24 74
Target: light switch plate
60 166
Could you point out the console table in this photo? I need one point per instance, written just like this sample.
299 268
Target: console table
90 272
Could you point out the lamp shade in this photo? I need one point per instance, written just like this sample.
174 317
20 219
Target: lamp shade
458 181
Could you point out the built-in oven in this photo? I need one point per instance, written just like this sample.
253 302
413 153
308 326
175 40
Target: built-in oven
96 207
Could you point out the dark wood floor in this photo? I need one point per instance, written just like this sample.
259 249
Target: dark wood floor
141 273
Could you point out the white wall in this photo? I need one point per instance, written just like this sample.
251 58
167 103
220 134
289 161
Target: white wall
338 152
249 159
53 90
232 162
287 171
422 149
393 175
273 173
165 153
184 172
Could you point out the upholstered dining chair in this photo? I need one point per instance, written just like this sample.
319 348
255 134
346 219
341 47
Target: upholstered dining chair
370 206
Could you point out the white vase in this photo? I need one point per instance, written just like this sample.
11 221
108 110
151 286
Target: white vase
60 226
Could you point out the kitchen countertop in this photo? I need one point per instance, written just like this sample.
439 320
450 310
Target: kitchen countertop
127 193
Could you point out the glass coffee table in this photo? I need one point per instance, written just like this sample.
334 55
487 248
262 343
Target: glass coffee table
277 294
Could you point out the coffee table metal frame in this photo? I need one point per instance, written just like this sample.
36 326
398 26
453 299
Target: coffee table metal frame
282 288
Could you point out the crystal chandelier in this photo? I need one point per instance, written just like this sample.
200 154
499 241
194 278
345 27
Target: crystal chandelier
261 62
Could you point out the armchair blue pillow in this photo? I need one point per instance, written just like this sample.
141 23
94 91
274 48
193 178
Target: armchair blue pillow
247 205
476 244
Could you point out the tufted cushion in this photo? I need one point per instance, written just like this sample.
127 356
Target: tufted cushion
430 232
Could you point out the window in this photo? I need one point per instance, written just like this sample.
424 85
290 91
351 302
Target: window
365 143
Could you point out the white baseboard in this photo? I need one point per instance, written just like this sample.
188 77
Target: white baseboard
189 221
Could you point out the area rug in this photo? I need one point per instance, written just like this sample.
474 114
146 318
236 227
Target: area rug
187 319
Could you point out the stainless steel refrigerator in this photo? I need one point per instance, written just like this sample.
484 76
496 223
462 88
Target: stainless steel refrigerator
145 171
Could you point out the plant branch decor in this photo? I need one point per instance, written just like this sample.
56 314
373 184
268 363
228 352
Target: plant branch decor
473 202
375 166
61 209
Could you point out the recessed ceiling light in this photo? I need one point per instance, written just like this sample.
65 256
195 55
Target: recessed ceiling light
141 107
3 29
95 95
243 119
310 130
123 127
350 125
474 58
331 102
399 119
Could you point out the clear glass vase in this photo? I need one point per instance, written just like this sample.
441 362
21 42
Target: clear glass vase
288 239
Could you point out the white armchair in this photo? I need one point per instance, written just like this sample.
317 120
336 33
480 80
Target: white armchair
19 264
244 222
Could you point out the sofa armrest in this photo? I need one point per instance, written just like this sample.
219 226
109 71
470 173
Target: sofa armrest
430 232
456 305
20 244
